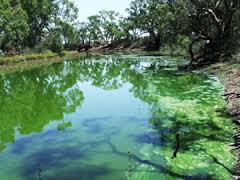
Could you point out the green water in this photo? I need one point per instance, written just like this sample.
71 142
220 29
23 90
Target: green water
110 118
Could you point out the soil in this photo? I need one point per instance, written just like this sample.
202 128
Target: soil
229 74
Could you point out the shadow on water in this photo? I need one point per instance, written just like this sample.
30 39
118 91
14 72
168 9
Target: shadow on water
54 158
158 167
221 164
191 133
182 117
86 171
94 125
57 93
51 158
177 146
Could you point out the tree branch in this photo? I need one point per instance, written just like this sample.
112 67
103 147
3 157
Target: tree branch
217 21
217 4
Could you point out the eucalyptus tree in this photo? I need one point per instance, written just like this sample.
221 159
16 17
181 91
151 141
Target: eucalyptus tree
214 24
94 29
131 32
13 25
68 33
104 27
153 17
39 17
44 15
83 33
109 26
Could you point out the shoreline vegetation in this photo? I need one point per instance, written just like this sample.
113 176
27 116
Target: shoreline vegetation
206 31
14 63
30 61
34 60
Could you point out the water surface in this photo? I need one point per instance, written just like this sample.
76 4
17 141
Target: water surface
112 118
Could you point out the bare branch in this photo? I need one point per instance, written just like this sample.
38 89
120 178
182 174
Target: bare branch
214 15
217 4
217 21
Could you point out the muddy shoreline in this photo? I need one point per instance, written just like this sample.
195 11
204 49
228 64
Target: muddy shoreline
232 91
229 75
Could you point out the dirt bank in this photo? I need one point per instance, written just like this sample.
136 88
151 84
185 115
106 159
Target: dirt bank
26 62
229 74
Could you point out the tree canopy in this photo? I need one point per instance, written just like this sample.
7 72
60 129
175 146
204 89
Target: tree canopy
26 23
210 28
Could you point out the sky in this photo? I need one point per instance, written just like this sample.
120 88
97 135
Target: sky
91 7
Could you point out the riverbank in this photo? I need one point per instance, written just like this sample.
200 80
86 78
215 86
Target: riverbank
30 61
229 74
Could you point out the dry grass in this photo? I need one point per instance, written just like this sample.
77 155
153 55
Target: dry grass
29 61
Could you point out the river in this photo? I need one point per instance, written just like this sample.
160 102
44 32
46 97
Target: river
114 117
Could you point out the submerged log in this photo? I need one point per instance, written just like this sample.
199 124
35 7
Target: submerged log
177 146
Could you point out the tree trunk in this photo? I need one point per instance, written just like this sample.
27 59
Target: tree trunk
155 42
215 45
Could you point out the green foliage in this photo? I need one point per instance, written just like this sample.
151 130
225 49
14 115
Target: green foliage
45 14
83 33
68 33
54 42
202 28
154 17
109 24
64 125
39 17
25 23
13 26
103 28
213 25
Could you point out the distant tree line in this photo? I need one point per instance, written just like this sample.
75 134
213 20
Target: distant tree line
208 29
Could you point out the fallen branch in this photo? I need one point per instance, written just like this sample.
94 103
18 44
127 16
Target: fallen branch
232 93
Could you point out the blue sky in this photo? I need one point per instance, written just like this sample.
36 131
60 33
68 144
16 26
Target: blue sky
91 7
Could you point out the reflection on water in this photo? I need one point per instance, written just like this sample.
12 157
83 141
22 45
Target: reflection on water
112 118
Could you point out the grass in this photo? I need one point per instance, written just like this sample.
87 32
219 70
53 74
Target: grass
19 58
34 60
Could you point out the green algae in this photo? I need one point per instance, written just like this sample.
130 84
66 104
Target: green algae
112 118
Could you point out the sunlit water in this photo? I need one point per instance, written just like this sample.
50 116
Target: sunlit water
110 118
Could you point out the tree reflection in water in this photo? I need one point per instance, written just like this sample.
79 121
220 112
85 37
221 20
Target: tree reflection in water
182 106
